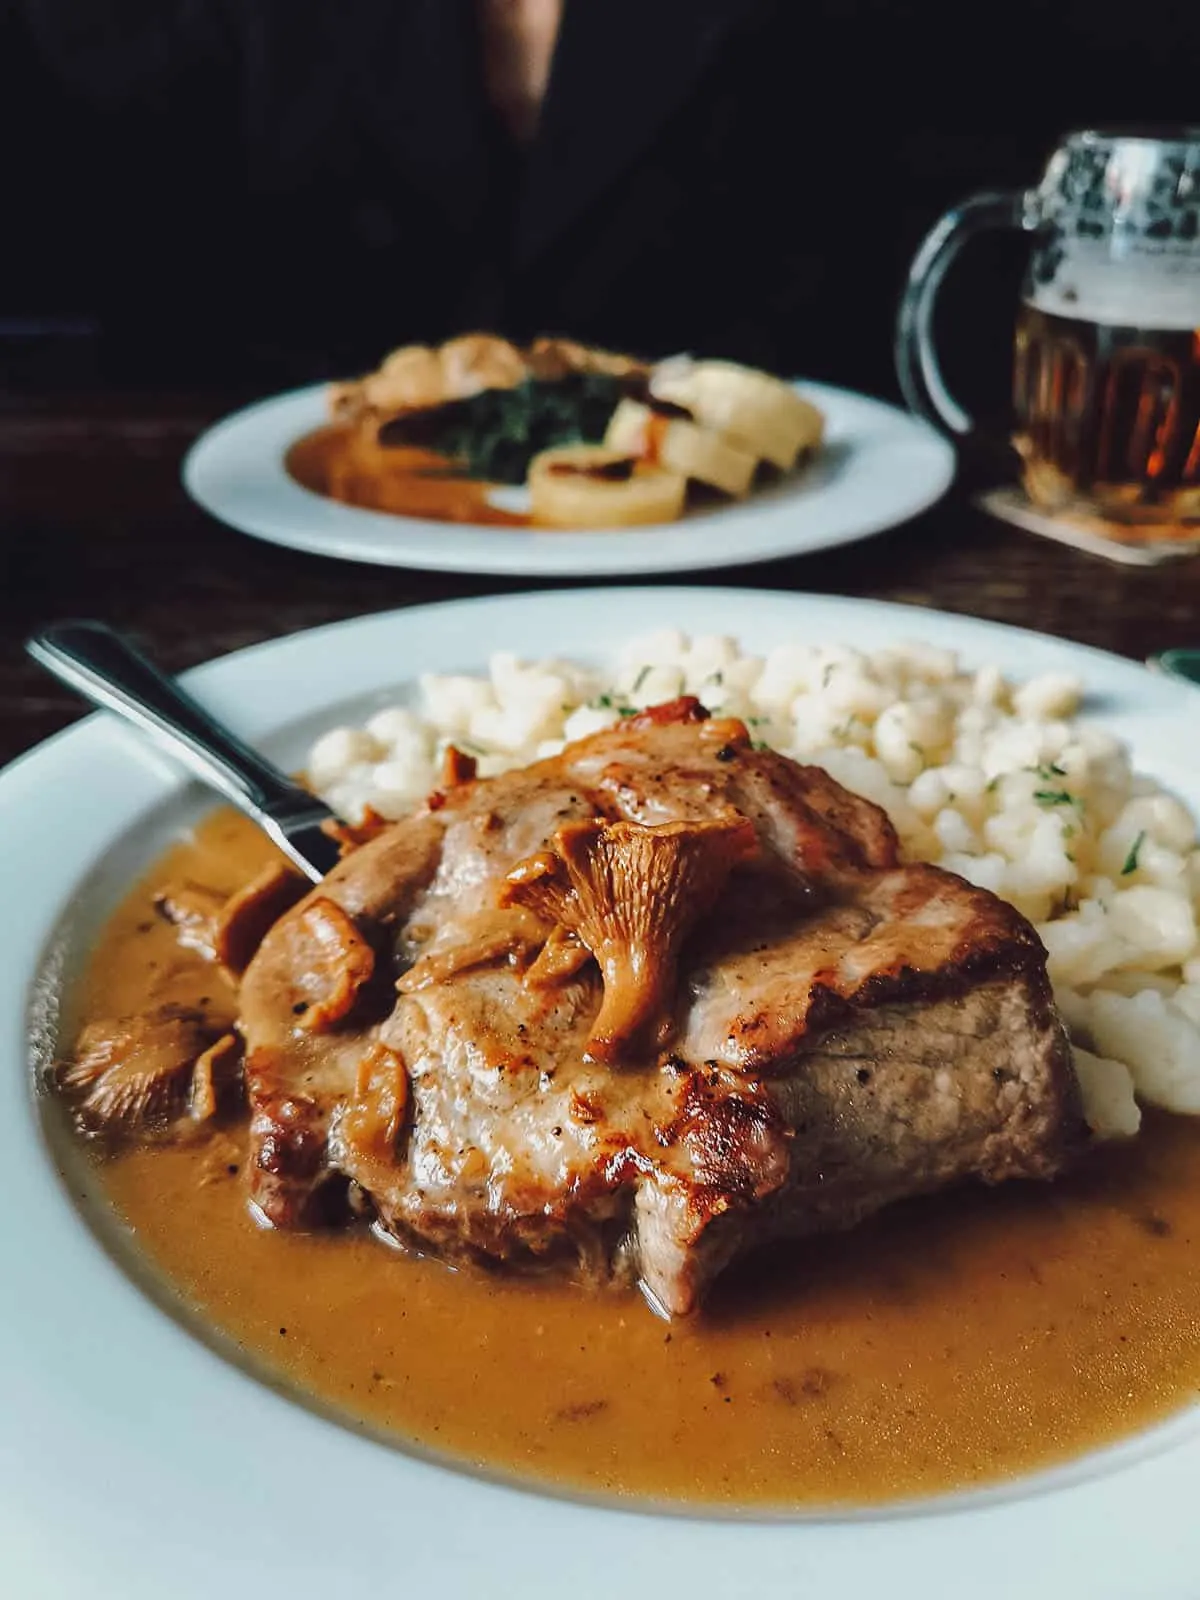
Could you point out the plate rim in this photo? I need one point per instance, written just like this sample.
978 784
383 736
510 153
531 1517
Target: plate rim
777 1552
299 519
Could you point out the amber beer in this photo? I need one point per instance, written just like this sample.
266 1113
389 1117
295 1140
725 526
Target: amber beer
1108 418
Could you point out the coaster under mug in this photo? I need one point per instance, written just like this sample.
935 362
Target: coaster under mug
1089 534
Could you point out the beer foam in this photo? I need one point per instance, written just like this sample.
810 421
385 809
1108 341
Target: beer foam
1147 295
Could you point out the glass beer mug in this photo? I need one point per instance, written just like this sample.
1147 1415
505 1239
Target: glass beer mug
1106 378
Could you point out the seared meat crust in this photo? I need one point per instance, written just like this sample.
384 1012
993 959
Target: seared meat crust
847 1030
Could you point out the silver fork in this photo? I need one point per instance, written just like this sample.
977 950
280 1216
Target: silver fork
105 668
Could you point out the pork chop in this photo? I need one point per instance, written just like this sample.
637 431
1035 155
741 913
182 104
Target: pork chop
807 1029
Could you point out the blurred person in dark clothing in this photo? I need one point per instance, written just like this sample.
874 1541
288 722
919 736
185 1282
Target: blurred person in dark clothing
290 188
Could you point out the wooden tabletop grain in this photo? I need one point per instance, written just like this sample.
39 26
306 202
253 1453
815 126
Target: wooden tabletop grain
94 522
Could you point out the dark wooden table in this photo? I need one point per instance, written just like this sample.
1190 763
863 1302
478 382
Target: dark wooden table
94 522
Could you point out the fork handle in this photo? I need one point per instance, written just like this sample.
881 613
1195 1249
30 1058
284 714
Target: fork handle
108 670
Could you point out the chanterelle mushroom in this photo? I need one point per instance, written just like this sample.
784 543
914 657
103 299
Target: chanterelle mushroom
247 916
143 1073
229 929
335 964
631 893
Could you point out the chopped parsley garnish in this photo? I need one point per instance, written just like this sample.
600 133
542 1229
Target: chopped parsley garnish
1055 797
1131 860
605 702
640 679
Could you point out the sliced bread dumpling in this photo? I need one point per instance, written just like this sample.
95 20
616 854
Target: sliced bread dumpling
757 412
681 446
593 486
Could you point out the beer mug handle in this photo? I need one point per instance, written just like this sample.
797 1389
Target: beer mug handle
916 359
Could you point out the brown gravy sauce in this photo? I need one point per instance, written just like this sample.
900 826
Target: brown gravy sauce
343 463
947 1344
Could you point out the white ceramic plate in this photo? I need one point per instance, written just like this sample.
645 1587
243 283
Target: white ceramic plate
137 1464
879 467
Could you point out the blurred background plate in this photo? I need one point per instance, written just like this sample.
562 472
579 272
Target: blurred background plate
879 467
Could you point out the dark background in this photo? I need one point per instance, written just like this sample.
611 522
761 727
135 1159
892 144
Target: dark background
159 266
241 219
50 207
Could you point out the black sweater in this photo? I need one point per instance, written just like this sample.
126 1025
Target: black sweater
295 186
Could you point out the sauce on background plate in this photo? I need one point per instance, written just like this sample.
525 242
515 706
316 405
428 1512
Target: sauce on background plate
343 463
